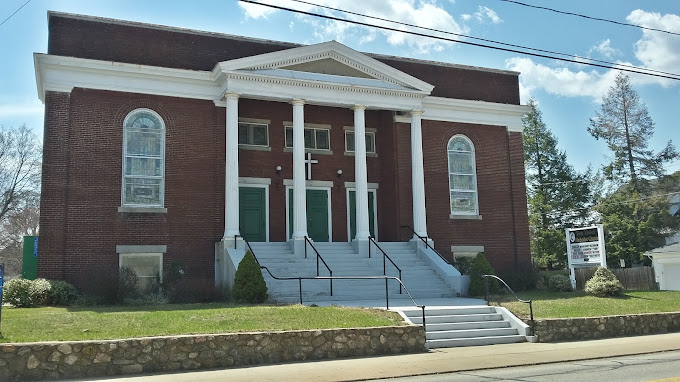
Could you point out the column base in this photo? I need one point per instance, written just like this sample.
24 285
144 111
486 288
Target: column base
361 247
418 243
299 244
235 242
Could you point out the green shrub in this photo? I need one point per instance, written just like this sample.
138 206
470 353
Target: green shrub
463 264
603 283
16 292
128 284
39 291
249 284
62 293
559 283
526 279
480 266
190 290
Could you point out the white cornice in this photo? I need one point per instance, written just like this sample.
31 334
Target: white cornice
473 112
333 50
62 74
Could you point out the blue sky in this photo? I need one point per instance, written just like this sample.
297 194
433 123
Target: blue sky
568 94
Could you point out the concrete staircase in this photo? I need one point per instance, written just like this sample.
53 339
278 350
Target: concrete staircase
343 260
464 326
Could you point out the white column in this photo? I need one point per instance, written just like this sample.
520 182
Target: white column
231 206
299 186
417 175
360 176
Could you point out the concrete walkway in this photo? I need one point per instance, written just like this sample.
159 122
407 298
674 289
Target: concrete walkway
433 362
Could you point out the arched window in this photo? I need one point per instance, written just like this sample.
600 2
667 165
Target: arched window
143 159
462 176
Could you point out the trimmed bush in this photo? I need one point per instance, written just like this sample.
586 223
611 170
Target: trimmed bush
521 280
39 290
249 285
62 293
603 283
16 292
480 266
559 283
463 264
128 284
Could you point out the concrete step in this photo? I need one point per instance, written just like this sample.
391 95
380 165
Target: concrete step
479 341
457 318
470 333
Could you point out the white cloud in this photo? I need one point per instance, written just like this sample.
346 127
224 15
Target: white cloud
484 13
658 50
425 13
605 48
560 80
254 11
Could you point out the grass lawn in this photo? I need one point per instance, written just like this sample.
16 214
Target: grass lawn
580 304
83 323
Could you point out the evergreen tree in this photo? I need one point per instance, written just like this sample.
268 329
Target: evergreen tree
636 215
556 194
624 123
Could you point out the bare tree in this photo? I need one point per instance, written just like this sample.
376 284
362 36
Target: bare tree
20 167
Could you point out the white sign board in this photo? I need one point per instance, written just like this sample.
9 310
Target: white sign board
585 248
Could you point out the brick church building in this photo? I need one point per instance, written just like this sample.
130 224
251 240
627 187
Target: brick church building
169 145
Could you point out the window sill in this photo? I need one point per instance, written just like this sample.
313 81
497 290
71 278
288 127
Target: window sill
368 155
254 147
143 210
465 217
312 151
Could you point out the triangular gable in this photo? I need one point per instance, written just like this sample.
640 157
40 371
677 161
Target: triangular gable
330 58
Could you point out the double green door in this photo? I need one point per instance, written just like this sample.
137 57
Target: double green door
253 213
353 214
317 214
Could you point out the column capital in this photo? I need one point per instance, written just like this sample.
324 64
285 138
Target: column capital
297 102
231 95
416 112
358 107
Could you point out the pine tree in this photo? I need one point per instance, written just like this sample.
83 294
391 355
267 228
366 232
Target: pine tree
635 216
624 123
557 194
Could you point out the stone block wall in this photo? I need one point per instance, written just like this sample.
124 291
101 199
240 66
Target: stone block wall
576 329
79 359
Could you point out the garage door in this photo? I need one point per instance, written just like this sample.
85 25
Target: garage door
672 276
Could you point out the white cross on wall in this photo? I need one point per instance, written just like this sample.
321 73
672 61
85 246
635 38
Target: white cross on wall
309 161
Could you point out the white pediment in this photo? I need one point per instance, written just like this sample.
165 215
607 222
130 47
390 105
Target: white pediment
329 62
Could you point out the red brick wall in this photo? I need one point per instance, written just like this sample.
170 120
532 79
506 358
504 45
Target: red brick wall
503 229
140 44
82 178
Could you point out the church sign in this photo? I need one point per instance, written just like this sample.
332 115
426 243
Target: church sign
585 248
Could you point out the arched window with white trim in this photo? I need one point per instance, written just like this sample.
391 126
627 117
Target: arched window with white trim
462 176
143 159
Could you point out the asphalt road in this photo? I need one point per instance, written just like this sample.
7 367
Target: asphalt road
645 367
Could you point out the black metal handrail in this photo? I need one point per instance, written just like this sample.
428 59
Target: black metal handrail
318 256
331 278
424 240
486 296
371 239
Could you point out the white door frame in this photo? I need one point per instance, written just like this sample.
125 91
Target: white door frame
311 185
372 188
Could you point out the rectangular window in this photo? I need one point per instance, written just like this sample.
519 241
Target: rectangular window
370 141
315 138
147 266
255 134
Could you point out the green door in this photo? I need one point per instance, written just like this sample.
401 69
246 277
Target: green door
317 214
353 214
252 213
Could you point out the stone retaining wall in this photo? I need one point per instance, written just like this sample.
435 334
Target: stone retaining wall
575 329
55 360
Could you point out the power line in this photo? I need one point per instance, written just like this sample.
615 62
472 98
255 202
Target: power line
482 39
589 17
15 12
627 201
672 76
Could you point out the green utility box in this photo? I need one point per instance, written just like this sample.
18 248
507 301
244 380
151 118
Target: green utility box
29 268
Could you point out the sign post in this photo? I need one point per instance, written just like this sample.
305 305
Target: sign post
585 248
